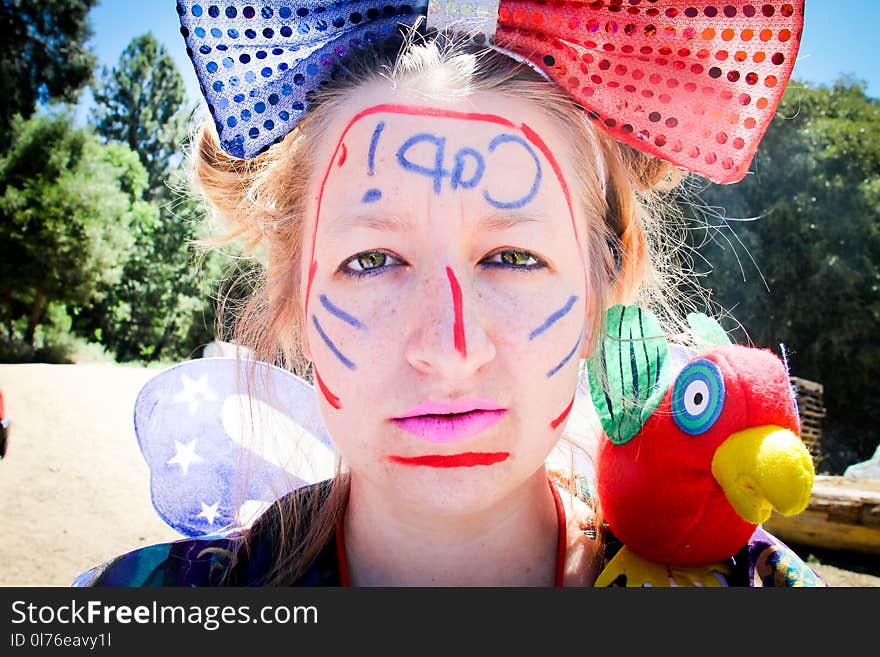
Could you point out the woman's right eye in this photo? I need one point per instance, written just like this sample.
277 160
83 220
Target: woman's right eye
368 263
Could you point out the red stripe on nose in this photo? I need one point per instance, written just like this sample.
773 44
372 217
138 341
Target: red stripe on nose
458 327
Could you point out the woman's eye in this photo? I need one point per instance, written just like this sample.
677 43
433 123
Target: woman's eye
514 259
369 262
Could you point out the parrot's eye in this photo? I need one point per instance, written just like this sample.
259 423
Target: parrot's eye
698 396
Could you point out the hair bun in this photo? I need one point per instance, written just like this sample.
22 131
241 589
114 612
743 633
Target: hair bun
649 173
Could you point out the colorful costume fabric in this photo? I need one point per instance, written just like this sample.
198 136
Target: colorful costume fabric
207 561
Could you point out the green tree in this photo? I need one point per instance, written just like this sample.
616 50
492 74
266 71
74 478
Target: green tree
140 102
814 238
67 204
161 309
43 56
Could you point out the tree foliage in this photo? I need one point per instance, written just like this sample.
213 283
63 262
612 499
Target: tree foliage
43 56
67 205
162 307
140 102
815 243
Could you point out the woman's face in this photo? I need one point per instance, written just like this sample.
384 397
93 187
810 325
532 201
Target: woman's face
445 294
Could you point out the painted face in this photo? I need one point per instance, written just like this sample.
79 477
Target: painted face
445 294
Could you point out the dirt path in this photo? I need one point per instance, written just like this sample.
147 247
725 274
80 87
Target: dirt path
74 486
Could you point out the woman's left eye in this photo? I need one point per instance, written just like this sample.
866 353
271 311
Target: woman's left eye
513 259
369 263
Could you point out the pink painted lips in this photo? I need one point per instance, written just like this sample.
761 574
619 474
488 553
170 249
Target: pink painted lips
443 422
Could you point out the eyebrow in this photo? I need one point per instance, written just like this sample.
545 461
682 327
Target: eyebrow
396 223
504 221
383 223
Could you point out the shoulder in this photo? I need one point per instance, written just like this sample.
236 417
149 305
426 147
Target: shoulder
763 561
767 561
199 561
260 559
240 558
583 551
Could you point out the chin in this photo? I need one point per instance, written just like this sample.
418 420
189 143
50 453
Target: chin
455 491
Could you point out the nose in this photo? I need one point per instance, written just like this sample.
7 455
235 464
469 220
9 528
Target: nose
447 336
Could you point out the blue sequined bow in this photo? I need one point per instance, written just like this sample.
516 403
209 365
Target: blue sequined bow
258 63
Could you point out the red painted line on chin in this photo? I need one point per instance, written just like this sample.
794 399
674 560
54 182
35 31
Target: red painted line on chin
465 460
332 399
555 423
458 328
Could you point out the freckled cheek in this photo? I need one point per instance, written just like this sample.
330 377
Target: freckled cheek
349 335
507 322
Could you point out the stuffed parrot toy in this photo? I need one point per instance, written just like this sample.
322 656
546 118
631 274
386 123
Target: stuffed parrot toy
697 449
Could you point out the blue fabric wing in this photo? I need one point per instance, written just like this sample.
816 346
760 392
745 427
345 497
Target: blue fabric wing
224 438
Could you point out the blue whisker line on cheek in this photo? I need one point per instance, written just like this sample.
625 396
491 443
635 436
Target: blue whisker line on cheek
559 314
567 357
332 346
336 311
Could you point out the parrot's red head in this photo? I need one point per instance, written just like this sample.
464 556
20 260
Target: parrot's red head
705 452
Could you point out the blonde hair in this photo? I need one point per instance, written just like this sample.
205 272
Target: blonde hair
260 203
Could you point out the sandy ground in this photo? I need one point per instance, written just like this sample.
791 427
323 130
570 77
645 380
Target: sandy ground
74 485
75 489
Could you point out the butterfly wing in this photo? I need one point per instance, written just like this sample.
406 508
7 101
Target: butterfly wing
224 438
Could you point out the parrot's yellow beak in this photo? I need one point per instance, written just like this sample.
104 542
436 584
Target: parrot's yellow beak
764 468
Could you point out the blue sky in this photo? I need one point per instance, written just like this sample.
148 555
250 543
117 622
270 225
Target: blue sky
840 37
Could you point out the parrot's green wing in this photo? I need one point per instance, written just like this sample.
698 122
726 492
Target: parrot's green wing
628 374
707 330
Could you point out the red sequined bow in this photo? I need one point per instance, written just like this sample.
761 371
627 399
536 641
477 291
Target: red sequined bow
691 82
694 83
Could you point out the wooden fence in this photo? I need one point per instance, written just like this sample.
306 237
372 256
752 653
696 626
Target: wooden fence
811 410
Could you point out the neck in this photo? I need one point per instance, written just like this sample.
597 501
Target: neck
512 542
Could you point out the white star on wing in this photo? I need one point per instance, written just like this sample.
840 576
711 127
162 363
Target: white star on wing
209 512
186 455
194 392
